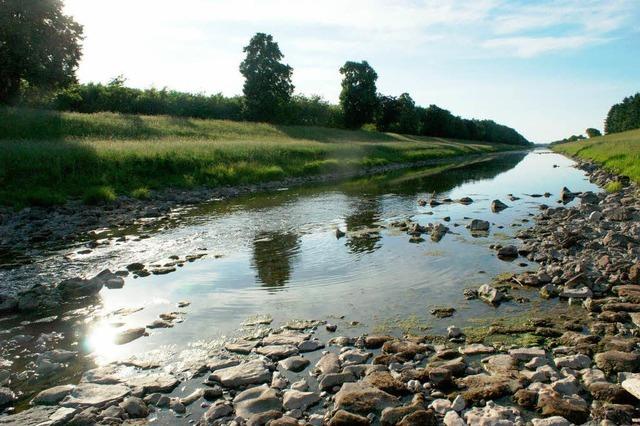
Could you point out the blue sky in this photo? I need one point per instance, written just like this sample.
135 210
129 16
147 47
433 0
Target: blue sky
548 68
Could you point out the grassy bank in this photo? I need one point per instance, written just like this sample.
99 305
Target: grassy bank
48 157
618 152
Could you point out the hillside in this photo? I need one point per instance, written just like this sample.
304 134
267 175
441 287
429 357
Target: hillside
47 157
618 152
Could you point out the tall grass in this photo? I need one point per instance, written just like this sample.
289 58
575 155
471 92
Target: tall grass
618 152
47 157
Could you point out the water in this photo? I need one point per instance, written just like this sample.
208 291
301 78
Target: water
277 254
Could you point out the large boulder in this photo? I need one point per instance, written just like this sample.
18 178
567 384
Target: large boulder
256 400
252 372
617 361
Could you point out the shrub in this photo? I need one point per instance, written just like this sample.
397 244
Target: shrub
42 197
141 193
613 186
99 194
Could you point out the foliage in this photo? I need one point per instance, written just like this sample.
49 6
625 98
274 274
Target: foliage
572 138
99 194
267 88
613 186
398 115
67 154
593 133
624 116
619 152
142 193
39 46
358 96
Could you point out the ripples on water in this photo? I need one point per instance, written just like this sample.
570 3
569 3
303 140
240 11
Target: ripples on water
278 254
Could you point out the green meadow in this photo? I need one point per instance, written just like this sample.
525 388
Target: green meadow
48 157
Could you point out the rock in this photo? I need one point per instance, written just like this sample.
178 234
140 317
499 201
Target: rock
243 347
478 225
489 294
294 399
498 206
572 408
376 341
453 419
6 396
135 267
440 406
129 335
465 200
419 418
477 348
292 338
294 363
192 397
438 232
575 362
551 421
249 373
458 403
595 217
211 394
383 380
454 332
52 396
276 352
566 386
508 252
151 383
329 363
492 414
264 418
566 195
329 381
576 293
159 323
526 354
135 407
38 297
610 392
310 346
91 394
216 411
617 361
363 398
344 418
484 386
354 356
40 415
8 304
632 386
109 279
443 312
256 400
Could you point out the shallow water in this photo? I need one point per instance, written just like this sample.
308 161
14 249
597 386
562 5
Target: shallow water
277 254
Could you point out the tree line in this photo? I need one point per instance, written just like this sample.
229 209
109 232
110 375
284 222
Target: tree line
624 115
40 49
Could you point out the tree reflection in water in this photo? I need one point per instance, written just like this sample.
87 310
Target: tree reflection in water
273 253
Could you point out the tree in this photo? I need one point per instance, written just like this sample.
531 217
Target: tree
39 46
267 87
624 116
592 133
358 96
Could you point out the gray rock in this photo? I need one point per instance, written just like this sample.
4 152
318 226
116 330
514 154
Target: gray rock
129 335
249 373
478 225
91 394
575 362
362 398
489 294
294 363
329 381
241 346
551 421
329 363
294 399
6 396
632 386
508 252
276 352
8 304
498 206
135 407
52 396
218 410
310 346
526 354
256 400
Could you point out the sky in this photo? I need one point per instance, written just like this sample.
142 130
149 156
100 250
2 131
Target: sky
548 68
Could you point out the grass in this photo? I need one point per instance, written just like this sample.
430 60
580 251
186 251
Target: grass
618 152
48 157
612 187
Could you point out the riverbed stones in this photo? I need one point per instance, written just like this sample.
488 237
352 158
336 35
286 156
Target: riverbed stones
256 400
7 396
249 373
617 361
489 294
217 411
508 252
241 346
277 352
331 380
497 206
345 418
94 395
135 407
478 225
129 335
632 385
294 363
363 398
294 399
327 364
493 414
571 407
52 396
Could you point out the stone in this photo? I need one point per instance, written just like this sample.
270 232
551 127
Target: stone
243 347
135 407
383 380
345 418
328 381
152 382
453 419
566 386
526 354
52 396
458 403
478 225
498 206
329 363
109 279
129 335
354 356
576 293
91 394
310 346
551 421
40 415
572 408
376 341
293 399
617 361
489 294
294 363
256 400
508 252
249 373
419 418
454 332
192 397
492 415
484 386
610 392
440 406
477 348
6 396
216 411
363 398
8 304
288 338
575 362
276 352
632 386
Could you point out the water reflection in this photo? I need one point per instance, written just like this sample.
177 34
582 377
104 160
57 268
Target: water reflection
273 254
364 235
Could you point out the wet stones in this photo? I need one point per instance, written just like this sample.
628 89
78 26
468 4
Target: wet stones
52 396
7 396
632 385
129 335
92 394
509 252
249 373
572 408
294 399
478 225
294 363
497 206
443 312
616 361
256 400
362 398
489 294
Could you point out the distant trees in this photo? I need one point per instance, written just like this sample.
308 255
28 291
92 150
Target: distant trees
358 97
624 116
398 115
267 87
39 46
593 133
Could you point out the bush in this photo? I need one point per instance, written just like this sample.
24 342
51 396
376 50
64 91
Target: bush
42 198
141 193
613 186
98 195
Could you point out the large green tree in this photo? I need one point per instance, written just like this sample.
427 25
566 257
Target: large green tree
358 96
624 116
39 46
267 87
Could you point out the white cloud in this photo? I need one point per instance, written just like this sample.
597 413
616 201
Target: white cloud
527 47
